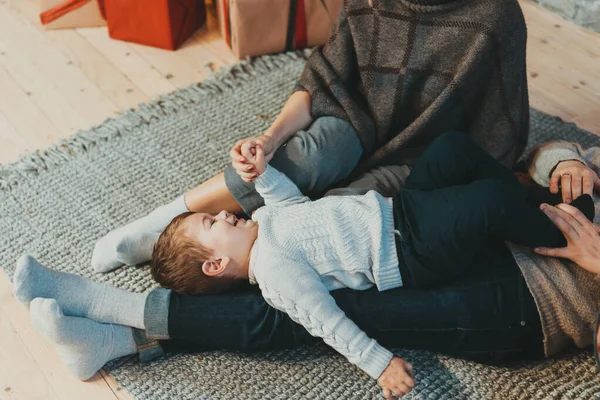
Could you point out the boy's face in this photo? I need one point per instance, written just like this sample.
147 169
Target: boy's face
223 233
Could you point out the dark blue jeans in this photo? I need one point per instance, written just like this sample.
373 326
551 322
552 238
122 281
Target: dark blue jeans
458 199
487 315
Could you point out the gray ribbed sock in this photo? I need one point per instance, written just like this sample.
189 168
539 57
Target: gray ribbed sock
83 345
133 243
78 296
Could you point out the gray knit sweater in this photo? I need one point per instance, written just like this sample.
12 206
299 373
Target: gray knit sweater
567 296
405 71
305 249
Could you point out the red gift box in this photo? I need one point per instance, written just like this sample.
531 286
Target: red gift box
160 23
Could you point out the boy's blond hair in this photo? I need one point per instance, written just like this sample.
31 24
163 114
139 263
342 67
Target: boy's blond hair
177 263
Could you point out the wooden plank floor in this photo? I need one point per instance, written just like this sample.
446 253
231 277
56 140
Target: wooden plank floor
53 83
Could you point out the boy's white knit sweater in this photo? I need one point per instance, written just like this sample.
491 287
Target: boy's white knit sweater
307 248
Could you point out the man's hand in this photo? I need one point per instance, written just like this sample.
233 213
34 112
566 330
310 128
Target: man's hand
244 149
575 179
583 237
397 379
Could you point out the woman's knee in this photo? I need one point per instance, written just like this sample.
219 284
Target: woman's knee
320 156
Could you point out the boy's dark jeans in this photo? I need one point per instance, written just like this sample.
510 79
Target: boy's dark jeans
456 200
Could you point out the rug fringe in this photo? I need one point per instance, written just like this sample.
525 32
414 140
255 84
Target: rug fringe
63 150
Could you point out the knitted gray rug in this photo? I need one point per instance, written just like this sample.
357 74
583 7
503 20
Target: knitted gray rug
55 204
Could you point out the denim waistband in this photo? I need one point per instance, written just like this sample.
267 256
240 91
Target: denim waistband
156 313
148 349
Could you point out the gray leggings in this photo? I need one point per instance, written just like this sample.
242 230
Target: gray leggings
315 160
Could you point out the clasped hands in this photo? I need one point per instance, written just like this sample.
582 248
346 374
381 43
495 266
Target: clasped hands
250 156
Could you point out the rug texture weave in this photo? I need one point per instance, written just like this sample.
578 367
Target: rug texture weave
55 204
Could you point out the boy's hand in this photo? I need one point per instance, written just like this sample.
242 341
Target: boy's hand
243 150
396 380
255 159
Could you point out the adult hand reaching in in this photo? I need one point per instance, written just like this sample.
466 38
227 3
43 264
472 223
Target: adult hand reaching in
245 149
397 379
575 179
583 237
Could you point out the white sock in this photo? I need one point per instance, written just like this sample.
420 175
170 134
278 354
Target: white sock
84 345
133 243
78 296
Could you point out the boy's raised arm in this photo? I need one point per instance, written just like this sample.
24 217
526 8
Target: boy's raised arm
276 188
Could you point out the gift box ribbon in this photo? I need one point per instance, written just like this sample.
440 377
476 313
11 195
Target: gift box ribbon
55 13
296 37
296 34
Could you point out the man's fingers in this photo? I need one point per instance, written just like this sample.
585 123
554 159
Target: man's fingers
563 221
561 252
579 219
565 184
576 186
554 183
588 184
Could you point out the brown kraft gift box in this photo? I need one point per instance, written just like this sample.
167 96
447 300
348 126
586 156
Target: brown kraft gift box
256 27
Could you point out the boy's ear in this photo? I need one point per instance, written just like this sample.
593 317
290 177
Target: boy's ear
216 266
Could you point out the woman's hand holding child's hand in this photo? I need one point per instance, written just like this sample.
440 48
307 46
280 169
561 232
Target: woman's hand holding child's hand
244 149
396 380
255 163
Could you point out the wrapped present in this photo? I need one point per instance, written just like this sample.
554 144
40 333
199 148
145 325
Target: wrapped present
256 27
160 23
61 14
